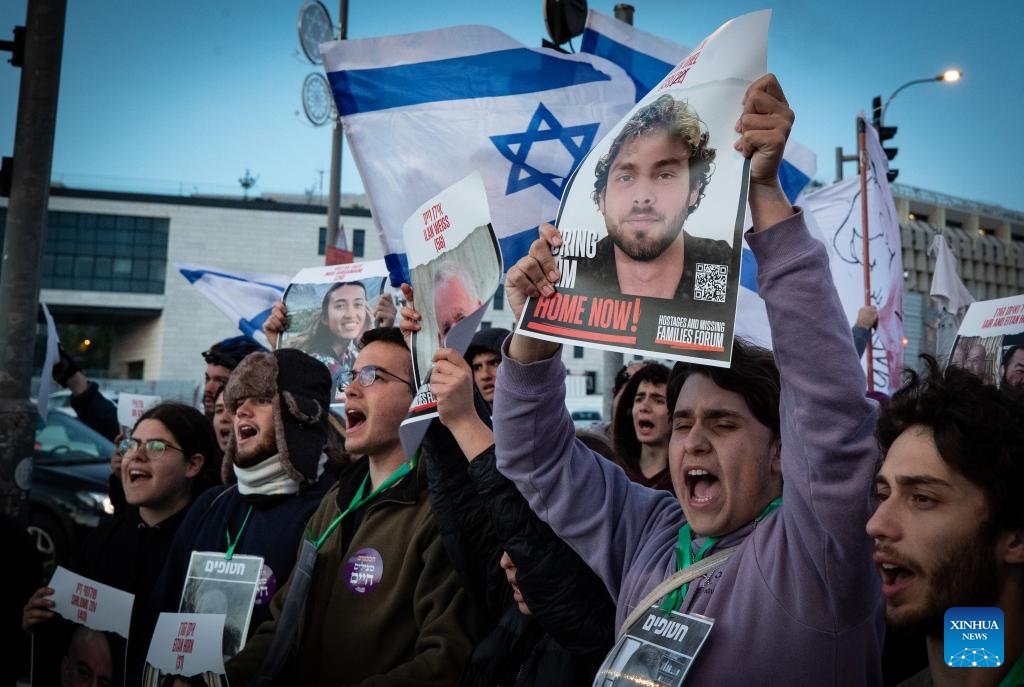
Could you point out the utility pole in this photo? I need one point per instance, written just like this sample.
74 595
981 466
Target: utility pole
23 245
334 188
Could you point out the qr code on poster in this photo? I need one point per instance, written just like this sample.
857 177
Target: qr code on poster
709 282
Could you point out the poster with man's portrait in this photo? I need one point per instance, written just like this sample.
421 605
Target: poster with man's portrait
329 308
990 342
214 584
87 639
455 268
652 220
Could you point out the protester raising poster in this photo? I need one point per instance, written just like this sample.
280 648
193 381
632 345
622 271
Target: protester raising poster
455 267
990 342
329 308
91 634
652 220
184 651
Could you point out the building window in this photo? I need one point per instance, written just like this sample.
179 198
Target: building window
94 252
485 325
577 351
321 244
135 369
499 299
358 242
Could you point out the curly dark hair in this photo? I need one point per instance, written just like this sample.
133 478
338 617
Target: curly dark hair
624 441
752 374
679 121
978 431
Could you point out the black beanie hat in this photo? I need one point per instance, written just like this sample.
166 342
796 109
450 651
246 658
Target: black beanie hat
486 341
300 387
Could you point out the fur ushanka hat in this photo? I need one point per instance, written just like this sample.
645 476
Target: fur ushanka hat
301 389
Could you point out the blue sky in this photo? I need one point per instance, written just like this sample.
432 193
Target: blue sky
181 96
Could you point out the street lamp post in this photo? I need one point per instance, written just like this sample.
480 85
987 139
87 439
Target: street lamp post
949 76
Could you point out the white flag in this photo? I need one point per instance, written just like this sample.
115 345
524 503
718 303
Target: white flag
837 211
946 284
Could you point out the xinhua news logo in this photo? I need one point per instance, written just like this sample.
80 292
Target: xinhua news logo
973 637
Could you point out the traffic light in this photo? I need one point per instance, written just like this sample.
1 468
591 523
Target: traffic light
884 134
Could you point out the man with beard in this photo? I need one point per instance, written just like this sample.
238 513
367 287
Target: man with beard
274 469
949 530
771 464
1011 368
652 178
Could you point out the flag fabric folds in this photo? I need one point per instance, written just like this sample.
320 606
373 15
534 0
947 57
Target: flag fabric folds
946 283
245 298
423 110
837 211
645 57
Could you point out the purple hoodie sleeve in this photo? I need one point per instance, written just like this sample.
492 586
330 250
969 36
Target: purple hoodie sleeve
829 453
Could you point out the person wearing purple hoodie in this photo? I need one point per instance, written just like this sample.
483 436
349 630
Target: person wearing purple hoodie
777 462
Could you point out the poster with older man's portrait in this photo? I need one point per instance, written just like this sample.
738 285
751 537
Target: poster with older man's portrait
229 587
652 220
87 640
455 268
990 342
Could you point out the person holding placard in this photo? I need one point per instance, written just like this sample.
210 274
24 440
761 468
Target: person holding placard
761 548
164 457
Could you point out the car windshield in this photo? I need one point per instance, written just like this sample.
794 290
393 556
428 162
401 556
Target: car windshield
66 440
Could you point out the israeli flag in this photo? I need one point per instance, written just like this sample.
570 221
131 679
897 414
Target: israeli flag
244 297
422 111
645 57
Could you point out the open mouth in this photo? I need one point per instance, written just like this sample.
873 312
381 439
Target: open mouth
644 425
135 475
702 486
895 577
353 419
247 432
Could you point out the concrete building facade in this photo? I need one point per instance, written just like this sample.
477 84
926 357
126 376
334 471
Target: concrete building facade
110 260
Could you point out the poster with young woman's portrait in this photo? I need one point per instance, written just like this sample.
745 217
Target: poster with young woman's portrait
330 307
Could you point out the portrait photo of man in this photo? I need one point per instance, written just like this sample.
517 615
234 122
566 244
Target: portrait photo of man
646 187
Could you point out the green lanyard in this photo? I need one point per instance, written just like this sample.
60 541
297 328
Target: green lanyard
685 557
358 500
1015 676
232 544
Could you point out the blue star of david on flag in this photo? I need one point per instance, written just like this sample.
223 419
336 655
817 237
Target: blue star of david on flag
544 126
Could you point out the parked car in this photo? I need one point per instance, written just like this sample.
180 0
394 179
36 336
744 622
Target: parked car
581 419
68 496
61 400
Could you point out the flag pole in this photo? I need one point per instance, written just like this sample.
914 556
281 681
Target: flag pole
862 154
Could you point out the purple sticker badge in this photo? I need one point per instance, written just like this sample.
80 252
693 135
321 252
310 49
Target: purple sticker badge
268 585
363 571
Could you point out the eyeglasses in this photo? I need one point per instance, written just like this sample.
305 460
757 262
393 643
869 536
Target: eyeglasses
367 375
154 447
